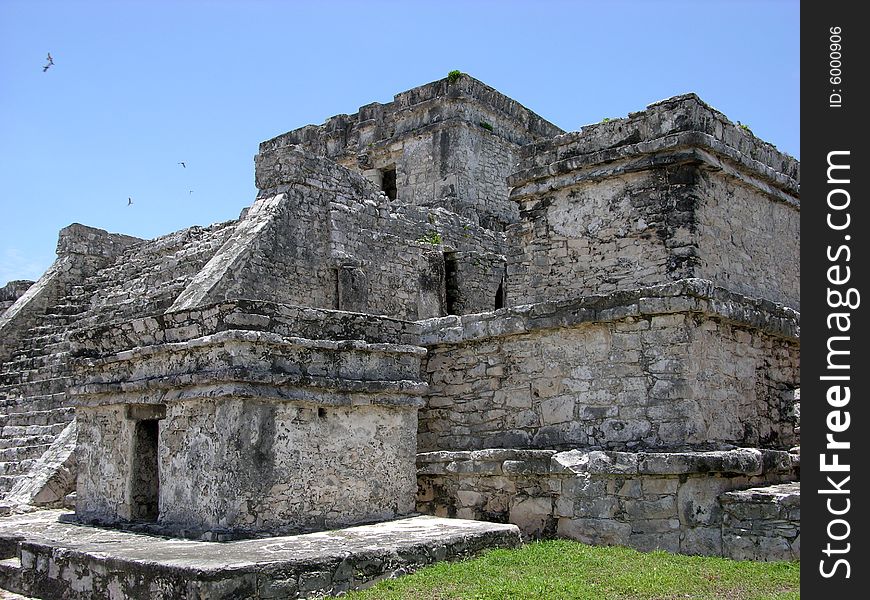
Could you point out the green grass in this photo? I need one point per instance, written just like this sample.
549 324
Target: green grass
564 569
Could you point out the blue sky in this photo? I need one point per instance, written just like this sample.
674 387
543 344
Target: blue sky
137 87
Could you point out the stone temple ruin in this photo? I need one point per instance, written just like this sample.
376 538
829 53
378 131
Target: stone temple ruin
442 305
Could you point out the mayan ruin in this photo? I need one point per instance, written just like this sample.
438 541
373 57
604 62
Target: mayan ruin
444 324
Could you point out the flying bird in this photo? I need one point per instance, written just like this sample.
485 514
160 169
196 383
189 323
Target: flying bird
49 63
183 166
129 201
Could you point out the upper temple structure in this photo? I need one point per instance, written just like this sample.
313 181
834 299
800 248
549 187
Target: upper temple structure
443 305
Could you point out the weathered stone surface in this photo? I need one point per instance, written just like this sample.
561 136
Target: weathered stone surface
239 432
608 337
645 500
73 561
449 144
684 365
655 197
762 523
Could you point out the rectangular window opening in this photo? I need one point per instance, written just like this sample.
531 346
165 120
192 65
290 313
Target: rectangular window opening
388 182
451 282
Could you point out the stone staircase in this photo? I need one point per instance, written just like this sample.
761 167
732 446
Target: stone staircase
145 278
33 389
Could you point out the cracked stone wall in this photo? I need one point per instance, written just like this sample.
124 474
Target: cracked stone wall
103 482
672 192
285 466
343 245
654 500
221 420
665 367
745 245
451 144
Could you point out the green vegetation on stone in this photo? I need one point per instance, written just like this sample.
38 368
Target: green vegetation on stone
433 237
453 76
563 569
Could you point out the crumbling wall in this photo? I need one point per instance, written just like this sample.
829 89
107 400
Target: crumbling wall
645 500
320 235
103 481
250 427
683 365
451 144
81 252
12 291
747 246
672 192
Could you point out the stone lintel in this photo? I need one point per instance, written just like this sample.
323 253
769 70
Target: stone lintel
145 412
683 296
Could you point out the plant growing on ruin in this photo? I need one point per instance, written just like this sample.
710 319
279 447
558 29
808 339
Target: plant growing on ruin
433 237
485 125
453 76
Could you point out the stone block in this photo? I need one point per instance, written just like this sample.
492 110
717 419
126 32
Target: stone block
607 532
532 515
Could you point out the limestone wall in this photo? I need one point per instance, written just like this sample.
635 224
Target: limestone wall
451 144
81 252
284 466
748 246
683 365
320 235
220 420
671 192
12 291
103 481
668 501
762 523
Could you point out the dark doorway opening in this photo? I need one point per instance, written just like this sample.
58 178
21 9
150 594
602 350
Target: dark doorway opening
451 283
499 296
145 484
388 182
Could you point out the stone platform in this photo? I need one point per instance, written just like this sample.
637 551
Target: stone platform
45 558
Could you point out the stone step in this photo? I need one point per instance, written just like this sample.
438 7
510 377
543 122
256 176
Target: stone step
319 564
20 442
38 417
27 431
6 483
30 385
17 453
16 467
10 578
20 404
762 523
